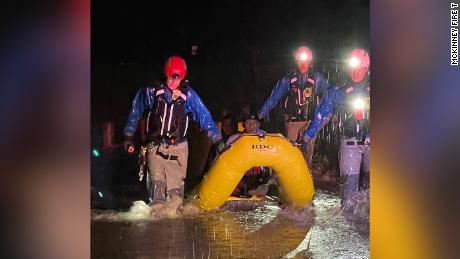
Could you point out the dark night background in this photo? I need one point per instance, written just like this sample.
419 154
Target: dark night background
243 47
46 93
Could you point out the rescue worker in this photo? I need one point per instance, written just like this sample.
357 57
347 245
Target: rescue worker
352 99
255 180
300 89
171 108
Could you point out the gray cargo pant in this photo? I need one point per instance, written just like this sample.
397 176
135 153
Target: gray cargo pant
167 167
351 158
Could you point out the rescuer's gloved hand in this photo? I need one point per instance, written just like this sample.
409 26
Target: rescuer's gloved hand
128 142
221 146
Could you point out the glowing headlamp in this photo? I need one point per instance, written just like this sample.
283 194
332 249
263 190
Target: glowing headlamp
354 62
303 56
359 103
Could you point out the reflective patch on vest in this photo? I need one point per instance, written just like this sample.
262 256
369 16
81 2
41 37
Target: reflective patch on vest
298 101
163 119
311 81
148 122
186 126
170 117
349 89
293 80
161 91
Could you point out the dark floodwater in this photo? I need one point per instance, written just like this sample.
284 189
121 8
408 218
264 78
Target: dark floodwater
266 231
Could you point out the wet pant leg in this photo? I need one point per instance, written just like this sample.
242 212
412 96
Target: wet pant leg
366 167
175 169
350 157
157 176
311 147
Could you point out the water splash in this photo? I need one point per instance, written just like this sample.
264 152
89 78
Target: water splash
335 234
299 217
357 206
268 231
138 211
141 211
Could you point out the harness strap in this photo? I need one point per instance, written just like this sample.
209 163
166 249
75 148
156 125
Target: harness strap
167 157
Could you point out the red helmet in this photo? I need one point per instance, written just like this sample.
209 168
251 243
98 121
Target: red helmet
358 65
175 67
303 58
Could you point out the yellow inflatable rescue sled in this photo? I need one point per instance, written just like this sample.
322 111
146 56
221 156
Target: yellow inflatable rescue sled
248 151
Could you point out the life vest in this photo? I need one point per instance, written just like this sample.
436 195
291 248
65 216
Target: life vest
300 101
168 121
356 117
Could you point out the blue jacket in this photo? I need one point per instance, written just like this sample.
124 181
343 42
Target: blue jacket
334 97
282 88
145 99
